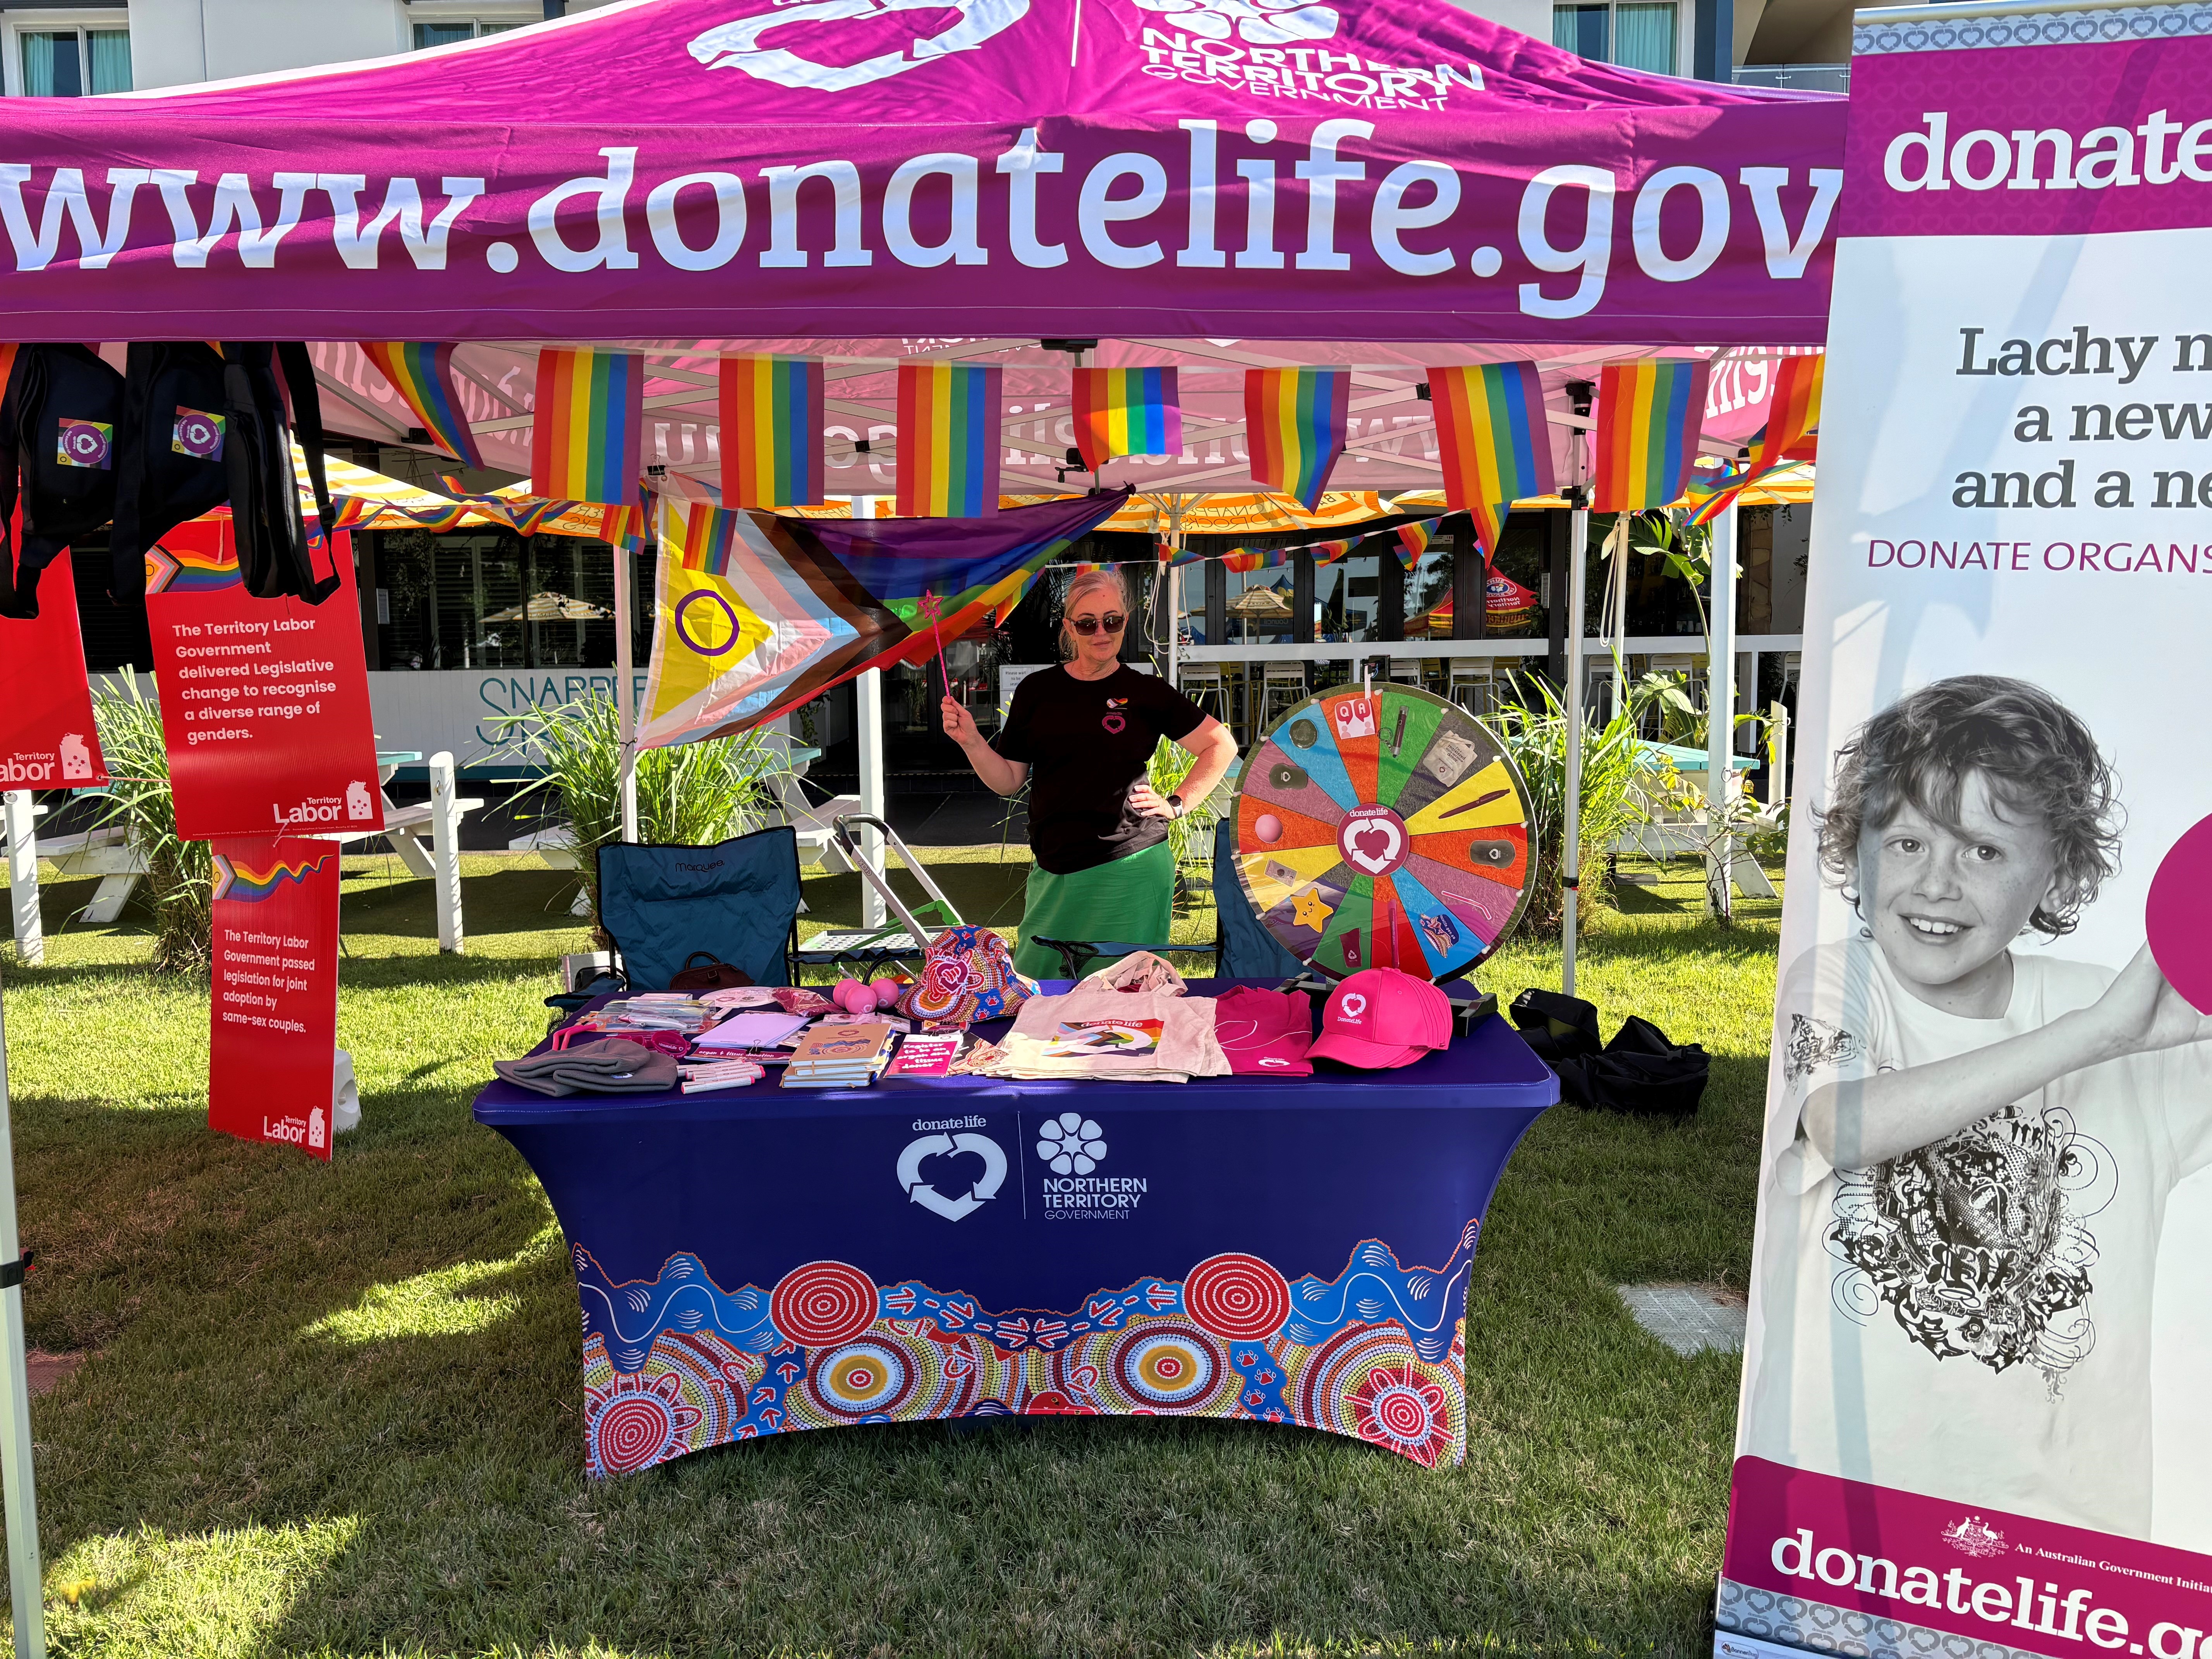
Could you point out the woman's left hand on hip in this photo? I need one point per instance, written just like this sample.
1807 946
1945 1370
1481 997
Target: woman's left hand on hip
1142 796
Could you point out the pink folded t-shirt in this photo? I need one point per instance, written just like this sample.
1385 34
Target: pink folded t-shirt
1265 1031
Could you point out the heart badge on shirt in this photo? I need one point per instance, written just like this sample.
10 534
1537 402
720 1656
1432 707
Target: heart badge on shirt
1114 723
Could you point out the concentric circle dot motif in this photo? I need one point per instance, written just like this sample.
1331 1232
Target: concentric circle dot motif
1402 1414
1167 1368
631 1432
1238 1298
864 1377
1071 1143
822 1303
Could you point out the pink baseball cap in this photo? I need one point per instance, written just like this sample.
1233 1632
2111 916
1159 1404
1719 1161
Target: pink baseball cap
1380 1017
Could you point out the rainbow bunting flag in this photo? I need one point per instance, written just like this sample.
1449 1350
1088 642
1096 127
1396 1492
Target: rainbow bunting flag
772 431
948 440
1791 433
586 441
1295 421
1414 541
1649 416
424 377
1495 442
1126 411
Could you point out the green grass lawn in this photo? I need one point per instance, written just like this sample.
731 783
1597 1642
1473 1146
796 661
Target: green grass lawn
336 1409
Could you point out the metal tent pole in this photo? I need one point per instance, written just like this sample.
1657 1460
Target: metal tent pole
625 702
1570 857
869 708
25 1587
1720 717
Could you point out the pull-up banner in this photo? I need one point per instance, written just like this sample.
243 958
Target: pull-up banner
264 702
274 1016
47 737
1973 1411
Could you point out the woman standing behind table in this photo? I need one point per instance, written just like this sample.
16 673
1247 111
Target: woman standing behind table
1083 733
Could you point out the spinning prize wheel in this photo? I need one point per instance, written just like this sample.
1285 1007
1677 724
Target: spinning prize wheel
1383 829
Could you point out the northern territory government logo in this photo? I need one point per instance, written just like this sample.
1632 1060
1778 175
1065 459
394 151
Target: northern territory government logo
1071 1152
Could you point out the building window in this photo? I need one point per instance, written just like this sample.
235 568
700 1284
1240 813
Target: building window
464 28
71 62
1637 34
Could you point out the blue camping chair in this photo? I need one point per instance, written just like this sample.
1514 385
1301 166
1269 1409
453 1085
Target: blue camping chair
1247 951
738 899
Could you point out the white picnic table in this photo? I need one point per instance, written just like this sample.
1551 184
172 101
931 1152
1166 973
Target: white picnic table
427 839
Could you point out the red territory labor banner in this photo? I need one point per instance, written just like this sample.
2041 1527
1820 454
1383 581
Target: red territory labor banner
264 702
272 1040
1973 1410
47 737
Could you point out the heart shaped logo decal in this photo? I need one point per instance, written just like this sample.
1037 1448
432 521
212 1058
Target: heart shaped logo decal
1373 839
1116 723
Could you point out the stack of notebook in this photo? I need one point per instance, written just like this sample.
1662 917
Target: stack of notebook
839 1057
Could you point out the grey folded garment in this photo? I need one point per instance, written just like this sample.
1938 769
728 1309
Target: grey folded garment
606 1067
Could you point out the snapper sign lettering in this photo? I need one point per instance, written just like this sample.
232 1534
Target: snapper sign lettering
1381 170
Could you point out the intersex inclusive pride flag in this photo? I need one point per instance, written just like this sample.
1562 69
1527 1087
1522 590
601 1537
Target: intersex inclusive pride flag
424 377
1496 444
1126 411
1649 416
759 613
587 434
1791 433
1295 421
948 440
772 453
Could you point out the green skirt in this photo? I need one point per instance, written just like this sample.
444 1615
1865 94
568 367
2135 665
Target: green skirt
1130 900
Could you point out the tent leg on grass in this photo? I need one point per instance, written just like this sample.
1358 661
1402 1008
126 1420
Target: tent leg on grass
25 1587
1570 853
21 825
1720 716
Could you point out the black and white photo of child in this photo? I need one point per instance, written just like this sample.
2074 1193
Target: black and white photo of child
1975 1138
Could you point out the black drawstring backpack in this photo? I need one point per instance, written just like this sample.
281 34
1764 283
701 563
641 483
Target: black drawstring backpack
1640 1070
58 417
201 427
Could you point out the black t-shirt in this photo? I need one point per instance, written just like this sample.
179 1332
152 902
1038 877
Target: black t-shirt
1086 743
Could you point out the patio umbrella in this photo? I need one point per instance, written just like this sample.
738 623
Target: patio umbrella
551 607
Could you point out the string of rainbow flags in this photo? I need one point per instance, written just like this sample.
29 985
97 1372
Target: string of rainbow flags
587 439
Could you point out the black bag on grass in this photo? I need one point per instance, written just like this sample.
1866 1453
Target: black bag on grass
1641 1071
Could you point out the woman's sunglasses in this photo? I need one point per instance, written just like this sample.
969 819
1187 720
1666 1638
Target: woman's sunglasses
1086 626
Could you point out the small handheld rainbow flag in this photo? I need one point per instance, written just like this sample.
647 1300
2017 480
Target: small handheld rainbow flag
948 440
586 441
1126 411
1295 420
772 431
1495 442
1791 433
424 377
1649 416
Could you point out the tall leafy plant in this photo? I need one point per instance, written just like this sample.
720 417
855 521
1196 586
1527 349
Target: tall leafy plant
1191 836
687 796
179 880
1536 738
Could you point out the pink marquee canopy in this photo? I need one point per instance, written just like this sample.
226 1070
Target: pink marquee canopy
1217 184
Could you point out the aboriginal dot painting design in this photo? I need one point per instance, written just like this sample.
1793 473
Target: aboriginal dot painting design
1383 829
677 1365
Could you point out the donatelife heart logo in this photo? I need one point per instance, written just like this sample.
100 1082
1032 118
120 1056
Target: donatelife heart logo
1373 839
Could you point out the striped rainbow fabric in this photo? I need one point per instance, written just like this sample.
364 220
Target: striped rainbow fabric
772 431
1791 433
424 377
1649 416
1295 421
586 441
1414 541
244 884
1126 411
1495 442
701 536
948 440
